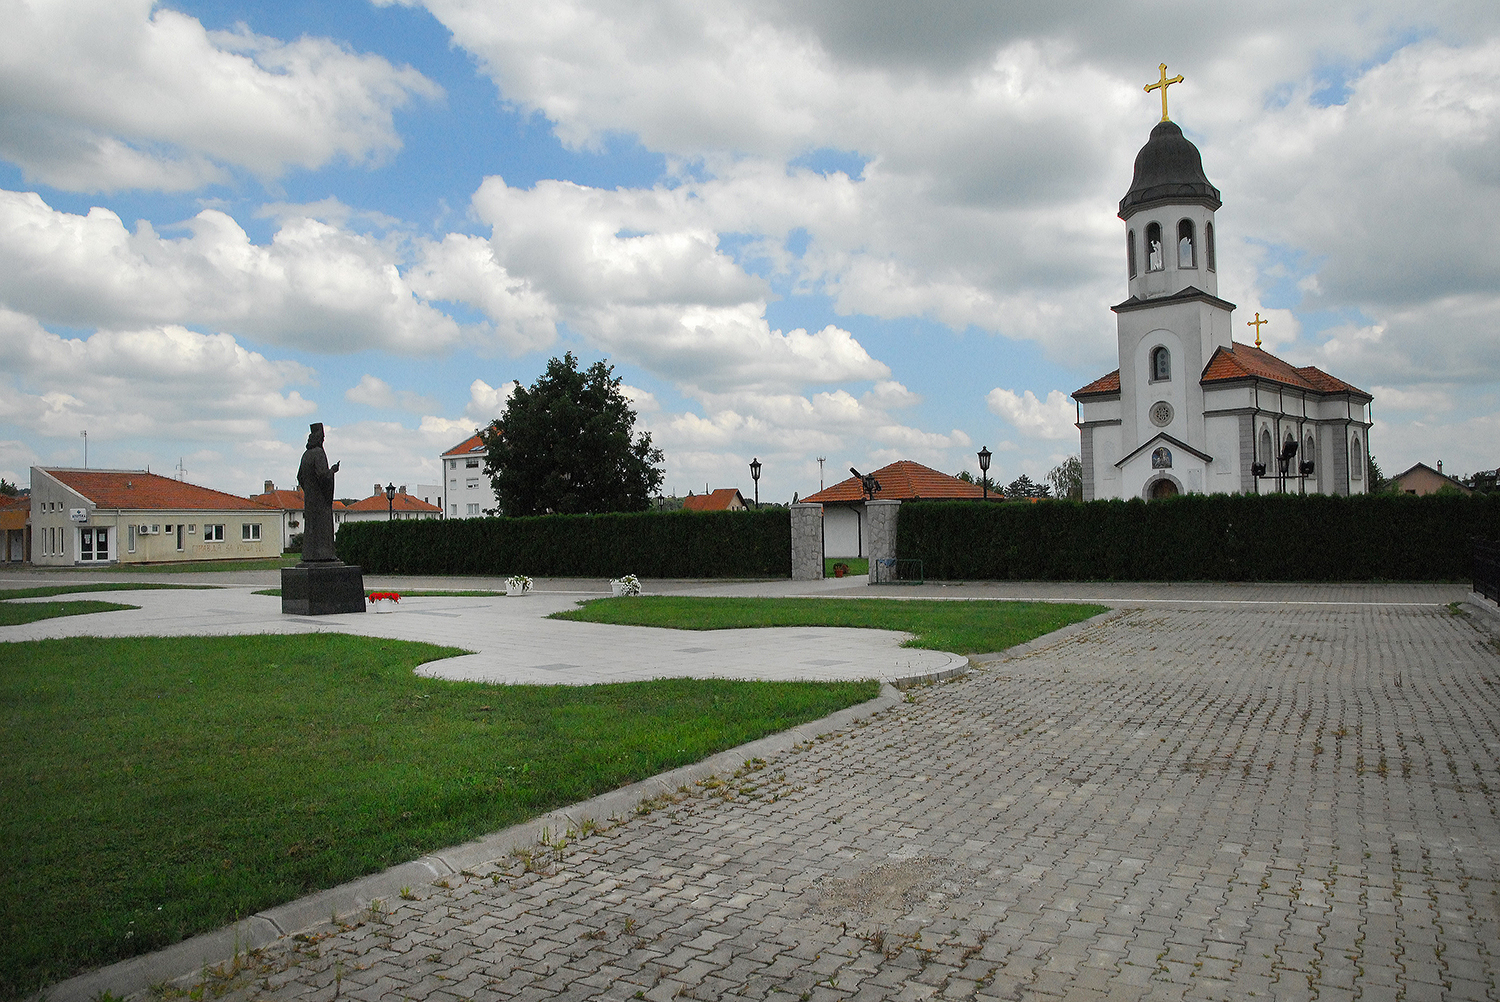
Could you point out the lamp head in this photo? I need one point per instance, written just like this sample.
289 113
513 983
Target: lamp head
984 459
755 469
390 492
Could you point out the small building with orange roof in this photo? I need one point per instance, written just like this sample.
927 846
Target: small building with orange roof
92 517
467 492
378 508
720 499
844 502
15 514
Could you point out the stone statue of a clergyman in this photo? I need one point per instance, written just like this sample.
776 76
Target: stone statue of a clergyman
321 584
315 477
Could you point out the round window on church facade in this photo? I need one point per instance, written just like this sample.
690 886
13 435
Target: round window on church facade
1161 414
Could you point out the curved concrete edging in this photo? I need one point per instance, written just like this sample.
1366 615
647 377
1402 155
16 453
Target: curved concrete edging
188 958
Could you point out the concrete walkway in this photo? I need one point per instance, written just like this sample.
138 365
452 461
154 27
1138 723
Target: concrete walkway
1224 792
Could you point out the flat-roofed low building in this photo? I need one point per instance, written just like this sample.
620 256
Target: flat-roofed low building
93 517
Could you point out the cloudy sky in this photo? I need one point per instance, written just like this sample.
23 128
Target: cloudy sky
797 228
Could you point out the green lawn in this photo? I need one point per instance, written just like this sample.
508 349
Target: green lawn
31 612
411 594
268 564
159 787
968 627
18 613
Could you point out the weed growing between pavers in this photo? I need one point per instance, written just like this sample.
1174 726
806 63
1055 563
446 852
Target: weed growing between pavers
961 627
160 787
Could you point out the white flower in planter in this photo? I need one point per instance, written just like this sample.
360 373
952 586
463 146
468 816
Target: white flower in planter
628 585
520 584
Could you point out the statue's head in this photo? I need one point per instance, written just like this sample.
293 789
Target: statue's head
315 436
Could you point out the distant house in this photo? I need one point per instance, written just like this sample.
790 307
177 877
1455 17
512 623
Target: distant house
467 492
90 517
1423 479
14 539
377 508
292 510
723 499
844 502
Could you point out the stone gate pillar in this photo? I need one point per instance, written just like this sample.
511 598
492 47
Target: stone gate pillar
807 542
880 531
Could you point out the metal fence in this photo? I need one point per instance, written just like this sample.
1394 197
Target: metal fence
1486 555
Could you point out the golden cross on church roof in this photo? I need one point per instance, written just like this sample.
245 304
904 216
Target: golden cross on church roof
1256 323
1162 85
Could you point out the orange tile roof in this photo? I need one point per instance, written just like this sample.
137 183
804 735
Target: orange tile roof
285 500
469 445
14 512
137 490
401 502
903 480
1102 385
1243 361
721 499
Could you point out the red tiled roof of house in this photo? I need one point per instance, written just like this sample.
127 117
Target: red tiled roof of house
474 443
127 490
285 500
1104 384
1243 361
14 512
721 499
7 502
902 480
401 502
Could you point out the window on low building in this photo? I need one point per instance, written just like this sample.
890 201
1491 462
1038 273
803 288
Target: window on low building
250 532
130 539
213 533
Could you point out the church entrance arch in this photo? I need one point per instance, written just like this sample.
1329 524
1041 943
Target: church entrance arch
1164 487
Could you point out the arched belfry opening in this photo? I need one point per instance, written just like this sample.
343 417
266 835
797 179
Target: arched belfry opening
1130 250
1155 256
1209 261
1185 257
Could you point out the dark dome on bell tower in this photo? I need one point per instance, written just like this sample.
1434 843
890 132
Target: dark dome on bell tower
1168 168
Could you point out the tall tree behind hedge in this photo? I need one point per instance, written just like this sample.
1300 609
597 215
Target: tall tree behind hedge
567 444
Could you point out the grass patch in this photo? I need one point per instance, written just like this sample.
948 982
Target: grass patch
858 566
194 566
19 613
973 627
157 787
45 590
276 592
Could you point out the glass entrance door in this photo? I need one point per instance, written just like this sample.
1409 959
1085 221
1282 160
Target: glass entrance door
93 544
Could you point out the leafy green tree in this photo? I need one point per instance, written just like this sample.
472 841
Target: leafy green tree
9 489
567 445
965 476
1024 487
1067 479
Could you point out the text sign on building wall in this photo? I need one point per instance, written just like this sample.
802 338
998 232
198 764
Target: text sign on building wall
78 514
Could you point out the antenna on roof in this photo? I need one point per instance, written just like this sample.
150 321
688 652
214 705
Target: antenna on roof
85 435
821 461
181 470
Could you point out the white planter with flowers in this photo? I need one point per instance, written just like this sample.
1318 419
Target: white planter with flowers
518 585
626 586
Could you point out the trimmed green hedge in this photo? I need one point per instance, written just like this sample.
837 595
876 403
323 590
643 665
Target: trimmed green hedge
728 544
1274 537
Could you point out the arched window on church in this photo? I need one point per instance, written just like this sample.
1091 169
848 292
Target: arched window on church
1356 460
1161 364
1155 258
1208 247
1130 250
1185 244
1309 454
1267 455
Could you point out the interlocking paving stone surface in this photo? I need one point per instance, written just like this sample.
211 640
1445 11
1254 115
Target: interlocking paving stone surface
1283 803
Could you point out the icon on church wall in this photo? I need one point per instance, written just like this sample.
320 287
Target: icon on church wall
1161 459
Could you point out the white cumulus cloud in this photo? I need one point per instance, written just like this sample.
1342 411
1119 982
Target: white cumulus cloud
1052 418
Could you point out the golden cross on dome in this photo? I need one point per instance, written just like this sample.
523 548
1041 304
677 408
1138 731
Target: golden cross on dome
1256 323
1162 85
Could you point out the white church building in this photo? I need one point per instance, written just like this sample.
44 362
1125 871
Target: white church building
1191 410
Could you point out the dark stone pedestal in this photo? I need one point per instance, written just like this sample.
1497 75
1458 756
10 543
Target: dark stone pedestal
322 588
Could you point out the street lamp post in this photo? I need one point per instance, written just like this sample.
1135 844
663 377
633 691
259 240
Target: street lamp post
755 475
390 502
984 469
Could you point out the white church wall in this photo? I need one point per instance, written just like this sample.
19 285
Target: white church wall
1171 391
1222 433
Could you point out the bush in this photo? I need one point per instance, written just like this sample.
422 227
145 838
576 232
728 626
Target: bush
294 544
650 544
1273 537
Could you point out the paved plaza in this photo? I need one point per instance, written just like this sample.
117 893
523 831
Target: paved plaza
1220 792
